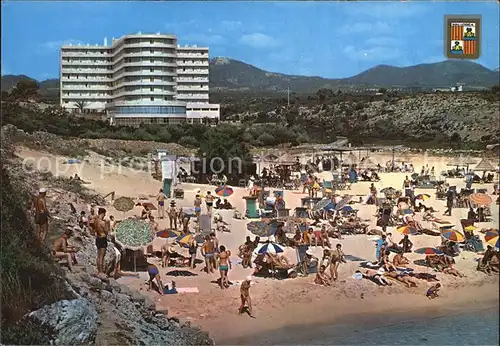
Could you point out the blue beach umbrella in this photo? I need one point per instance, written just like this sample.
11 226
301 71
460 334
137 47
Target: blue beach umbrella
270 248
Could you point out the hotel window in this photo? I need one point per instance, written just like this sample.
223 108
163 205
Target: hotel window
151 79
151 70
152 98
151 89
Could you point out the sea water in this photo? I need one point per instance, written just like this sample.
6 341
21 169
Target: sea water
473 328
480 327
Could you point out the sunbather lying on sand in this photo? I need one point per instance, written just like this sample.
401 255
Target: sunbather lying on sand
452 271
424 276
322 277
278 260
375 275
404 278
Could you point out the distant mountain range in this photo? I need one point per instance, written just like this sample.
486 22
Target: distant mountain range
236 76
233 75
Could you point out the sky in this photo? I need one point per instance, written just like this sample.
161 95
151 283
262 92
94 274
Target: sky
328 39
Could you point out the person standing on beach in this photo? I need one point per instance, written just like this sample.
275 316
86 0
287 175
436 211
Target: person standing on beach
245 296
161 204
449 202
224 266
42 215
207 251
209 200
197 206
337 256
193 247
172 215
101 240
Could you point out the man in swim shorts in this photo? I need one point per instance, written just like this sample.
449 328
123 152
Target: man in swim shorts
42 215
154 274
101 240
161 204
209 200
197 206
224 266
207 251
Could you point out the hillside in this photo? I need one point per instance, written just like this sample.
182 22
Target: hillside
232 75
228 75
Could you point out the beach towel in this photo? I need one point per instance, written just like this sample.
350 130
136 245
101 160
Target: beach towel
180 273
353 258
188 290
369 265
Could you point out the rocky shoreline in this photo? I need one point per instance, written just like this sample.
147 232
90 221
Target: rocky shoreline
102 310
93 311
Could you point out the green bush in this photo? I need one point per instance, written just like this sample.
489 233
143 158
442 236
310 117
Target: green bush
30 279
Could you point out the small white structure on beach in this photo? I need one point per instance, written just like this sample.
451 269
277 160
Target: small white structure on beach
169 166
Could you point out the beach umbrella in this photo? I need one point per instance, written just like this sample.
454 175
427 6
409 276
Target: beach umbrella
471 228
269 248
446 227
124 204
423 197
149 205
168 233
480 198
388 189
428 251
484 166
185 239
321 204
452 235
259 228
224 191
407 230
491 237
134 234
414 176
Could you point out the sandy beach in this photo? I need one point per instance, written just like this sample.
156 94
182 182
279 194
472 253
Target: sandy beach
289 305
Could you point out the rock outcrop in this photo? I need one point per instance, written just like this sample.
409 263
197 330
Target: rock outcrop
73 321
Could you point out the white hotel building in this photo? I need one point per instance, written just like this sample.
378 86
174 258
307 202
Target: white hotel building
142 78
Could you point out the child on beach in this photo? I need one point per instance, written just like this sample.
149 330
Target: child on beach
432 292
245 296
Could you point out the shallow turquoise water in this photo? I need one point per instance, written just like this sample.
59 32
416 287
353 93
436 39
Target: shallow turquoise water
476 328
468 328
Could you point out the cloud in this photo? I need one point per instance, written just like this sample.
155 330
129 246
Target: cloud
378 53
182 24
376 28
258 40
383 41
51 46
230 25
204 39
386 10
